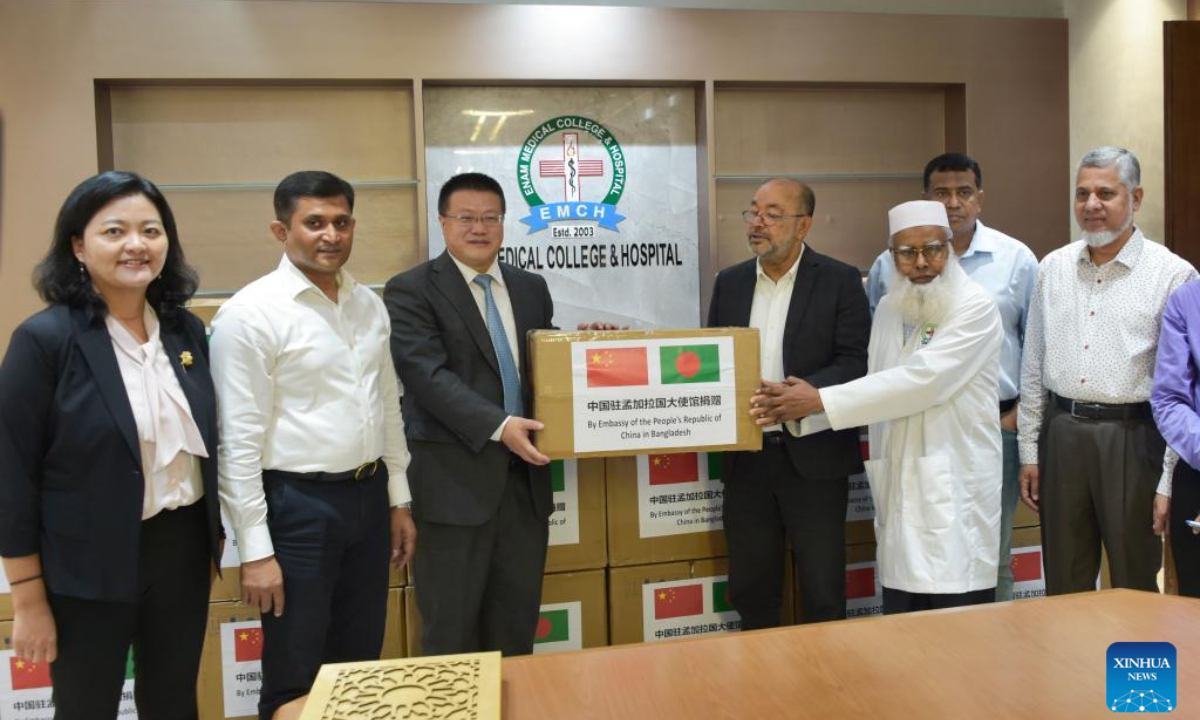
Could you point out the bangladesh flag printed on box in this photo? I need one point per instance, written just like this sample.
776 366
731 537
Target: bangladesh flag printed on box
683 608
564 521
26 690
690 363
679 493
559 628
241 667
653 393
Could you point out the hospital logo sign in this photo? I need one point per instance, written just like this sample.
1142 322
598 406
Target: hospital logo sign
584 159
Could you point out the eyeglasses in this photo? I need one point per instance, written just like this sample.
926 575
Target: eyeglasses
768 218
489 221
932 251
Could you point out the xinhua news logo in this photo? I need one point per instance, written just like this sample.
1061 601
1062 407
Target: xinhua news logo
1141 677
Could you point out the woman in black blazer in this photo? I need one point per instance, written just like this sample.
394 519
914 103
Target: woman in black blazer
109 520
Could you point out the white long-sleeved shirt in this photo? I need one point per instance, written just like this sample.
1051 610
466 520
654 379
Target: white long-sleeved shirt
768 315
303 385
1093 331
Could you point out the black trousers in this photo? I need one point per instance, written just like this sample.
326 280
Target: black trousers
901 601
765 499
165 628
480 587
1185 546
333 543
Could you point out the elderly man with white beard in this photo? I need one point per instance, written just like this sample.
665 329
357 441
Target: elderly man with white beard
1090 451
931 401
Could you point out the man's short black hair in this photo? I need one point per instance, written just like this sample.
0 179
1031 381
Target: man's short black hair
953 162
309 183
469 181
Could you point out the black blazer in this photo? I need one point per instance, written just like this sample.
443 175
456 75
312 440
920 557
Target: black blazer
71 485
824 342
453 396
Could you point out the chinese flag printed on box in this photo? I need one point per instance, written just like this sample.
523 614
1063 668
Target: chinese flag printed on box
860 583
1027 566
247 644
678 601
552 626
674 468
27 675
617 367
689 364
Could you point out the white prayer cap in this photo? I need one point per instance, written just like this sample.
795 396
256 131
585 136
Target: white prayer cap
918 213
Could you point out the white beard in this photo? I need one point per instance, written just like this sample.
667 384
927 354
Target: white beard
929 303
1105 237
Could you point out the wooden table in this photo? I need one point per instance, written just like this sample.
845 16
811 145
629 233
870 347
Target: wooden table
1042 659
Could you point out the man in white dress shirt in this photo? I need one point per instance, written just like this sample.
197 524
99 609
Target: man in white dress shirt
312 451
930 400
482 493
1091 454
813 323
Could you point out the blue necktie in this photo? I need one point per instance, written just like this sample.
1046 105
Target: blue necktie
508 368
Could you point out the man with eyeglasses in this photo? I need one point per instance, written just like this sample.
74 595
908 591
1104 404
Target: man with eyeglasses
930 400
1007 269
1091 454
813 323
481 491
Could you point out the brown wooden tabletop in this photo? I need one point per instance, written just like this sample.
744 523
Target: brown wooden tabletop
1043 658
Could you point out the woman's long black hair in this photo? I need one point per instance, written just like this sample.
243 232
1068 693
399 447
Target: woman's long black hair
58 278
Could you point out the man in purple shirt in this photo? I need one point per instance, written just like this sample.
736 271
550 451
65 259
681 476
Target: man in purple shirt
1176 404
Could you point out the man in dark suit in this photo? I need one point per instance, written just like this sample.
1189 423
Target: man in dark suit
481 490
813 322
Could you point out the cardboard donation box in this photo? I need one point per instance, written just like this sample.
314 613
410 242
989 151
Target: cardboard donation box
573 614
663 508
649 603
231 665
25 687
605 394
578 536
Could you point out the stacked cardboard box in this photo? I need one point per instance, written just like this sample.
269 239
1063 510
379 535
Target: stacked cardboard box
573 616
649 603
578 533
664 508
25 687
603 394
231 664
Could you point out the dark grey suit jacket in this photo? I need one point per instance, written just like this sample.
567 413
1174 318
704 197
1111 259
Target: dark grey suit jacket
453 396
824 343
71 483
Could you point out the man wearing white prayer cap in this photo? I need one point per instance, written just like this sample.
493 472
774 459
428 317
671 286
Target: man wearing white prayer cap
930 399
